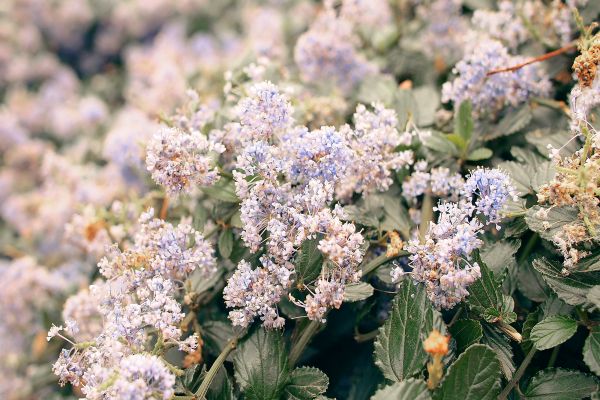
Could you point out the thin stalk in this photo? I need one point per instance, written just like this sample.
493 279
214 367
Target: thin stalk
164 208
426 216
214 369
553 356
380 260
300 345
543 57
365 337
518 374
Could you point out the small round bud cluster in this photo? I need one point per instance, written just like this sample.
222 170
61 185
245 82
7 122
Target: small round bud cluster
585 65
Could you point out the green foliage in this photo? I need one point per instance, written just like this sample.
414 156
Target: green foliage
475 375
560 384
411 388
552 331
399 349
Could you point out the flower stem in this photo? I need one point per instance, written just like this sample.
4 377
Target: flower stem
426 216
543 57
214 369
518 374
300 345
380 260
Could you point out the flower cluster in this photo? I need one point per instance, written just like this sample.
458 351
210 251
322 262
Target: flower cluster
490 94
326 52
442 258
138 298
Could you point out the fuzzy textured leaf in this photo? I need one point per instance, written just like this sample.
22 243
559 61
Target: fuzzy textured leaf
261 367
475 375
413 389
560 384
399 349
591 350
553 331
306 383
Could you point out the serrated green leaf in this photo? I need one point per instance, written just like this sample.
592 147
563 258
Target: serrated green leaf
482 153
512 122
466 332
503 312
593 297
591 350
553 222
399 349
463 121
572 288
261 367
520 175
560 384
308 261
531 283
358 291
541 138
225 243
485 293
590 263
410 389
500 344
552 331
475 375
306 383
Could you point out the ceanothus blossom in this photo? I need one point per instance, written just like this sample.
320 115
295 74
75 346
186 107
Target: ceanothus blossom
490 94
180 160
442 259
138 298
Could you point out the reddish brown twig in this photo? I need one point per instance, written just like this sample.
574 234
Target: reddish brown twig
543 57
164 208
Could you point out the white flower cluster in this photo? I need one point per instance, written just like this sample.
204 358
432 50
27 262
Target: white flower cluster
286 177
119 316
442 260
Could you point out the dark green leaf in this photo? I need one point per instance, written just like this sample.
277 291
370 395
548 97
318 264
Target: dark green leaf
475 375
591 350
413 389
560 384
572 288
399 349
223 190
306 383
466 332
512 122
552 222
358 291
308 261
553 331
225 243
261 367
485 293
500 344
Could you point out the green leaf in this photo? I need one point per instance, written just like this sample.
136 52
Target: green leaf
512 122
410 389
531 283
395 216
306 383
466 332
560 384
463 121
440 143
475 375
541 138
225 243
358 291
428 101
554 221
458 141
593 297
590 263
261 367
499 256
482 153
380 88
223 190
216 334
485 293
503 312
520 174
572 288
405 106
553 331
399 349
500 344
308 261
591 350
